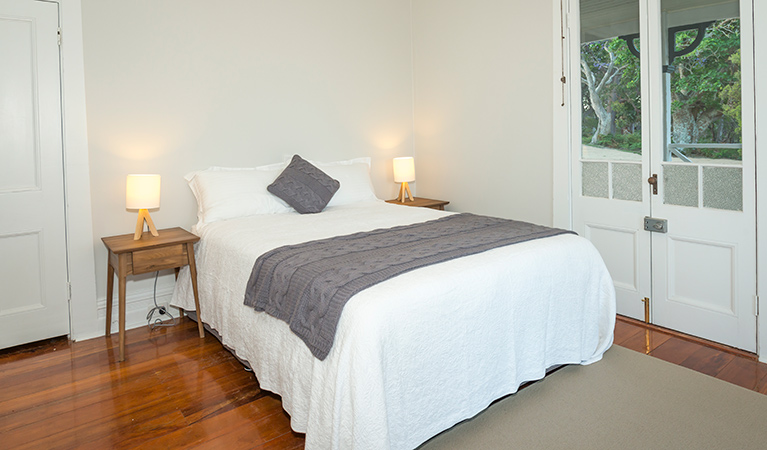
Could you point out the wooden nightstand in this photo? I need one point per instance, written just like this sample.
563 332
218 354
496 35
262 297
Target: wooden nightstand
172 249
422 203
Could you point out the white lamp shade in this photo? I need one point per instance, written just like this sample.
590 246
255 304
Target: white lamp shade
142 191
404 169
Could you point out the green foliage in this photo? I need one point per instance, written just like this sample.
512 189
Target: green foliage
629 142
589 125
626 103
706 82
623 94
730 97
716 153
705 89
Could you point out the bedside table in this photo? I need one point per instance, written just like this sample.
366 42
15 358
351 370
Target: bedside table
422 203
172 249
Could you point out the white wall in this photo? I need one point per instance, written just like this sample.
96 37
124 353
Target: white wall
174 86
83 303
483 115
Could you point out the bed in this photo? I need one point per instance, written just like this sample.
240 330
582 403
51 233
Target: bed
415 354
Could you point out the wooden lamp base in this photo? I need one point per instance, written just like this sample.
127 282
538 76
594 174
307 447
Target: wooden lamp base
404 193
143 216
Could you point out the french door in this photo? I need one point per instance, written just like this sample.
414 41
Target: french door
664 166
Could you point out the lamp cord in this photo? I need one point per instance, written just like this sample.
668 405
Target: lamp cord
158 322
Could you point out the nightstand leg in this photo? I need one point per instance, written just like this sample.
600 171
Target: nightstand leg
193 273
122 316
180 310
110 290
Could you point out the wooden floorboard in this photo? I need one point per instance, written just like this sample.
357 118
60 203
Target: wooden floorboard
717 360
175 390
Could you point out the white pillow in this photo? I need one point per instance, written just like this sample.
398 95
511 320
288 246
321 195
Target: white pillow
225 193
354 176
355 183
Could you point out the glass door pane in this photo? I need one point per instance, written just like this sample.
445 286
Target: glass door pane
611 132
702 160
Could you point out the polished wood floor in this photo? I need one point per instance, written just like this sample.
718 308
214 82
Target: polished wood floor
175 390
732 365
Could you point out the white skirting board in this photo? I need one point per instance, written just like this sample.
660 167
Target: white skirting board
137 304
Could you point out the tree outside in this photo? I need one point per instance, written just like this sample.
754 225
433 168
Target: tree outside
705 92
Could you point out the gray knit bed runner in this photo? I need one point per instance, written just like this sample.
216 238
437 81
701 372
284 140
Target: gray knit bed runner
308 284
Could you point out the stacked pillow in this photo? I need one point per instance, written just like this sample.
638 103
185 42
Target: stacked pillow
308 187
354 176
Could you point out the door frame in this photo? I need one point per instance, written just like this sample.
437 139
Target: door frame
563 153
83 320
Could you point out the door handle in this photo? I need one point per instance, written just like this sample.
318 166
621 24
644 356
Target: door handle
653 180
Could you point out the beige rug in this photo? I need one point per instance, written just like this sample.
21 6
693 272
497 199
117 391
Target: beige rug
626 401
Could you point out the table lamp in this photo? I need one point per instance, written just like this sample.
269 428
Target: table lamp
404 172
142 192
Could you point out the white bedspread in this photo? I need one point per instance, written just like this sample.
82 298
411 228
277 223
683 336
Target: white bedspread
420 352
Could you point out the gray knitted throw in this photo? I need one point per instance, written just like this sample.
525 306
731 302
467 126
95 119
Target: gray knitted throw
308 284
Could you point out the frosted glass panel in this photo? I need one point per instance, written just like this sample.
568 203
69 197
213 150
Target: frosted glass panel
595 179
627 182
680 185
723 188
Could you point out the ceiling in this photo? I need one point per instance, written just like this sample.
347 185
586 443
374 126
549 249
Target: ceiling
603 19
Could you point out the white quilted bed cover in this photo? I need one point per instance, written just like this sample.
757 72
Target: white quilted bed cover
420 352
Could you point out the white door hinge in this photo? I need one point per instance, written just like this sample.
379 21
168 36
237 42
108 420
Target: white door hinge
58 33
756 305
69 291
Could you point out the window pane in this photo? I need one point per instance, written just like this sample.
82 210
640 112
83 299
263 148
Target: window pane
704 81
610 86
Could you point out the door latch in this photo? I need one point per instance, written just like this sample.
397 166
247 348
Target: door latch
656 225
653 180
646 302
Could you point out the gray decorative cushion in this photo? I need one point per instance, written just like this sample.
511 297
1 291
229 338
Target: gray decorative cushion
304 187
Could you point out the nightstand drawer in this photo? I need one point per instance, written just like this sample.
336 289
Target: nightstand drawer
159 258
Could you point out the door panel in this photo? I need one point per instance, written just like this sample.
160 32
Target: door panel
33 271
708 286
20 168
22 288
620 252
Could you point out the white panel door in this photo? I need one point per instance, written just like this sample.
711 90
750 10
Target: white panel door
704 267
655 103
610 196
33 270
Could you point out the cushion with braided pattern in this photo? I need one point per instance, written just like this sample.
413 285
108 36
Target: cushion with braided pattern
304 187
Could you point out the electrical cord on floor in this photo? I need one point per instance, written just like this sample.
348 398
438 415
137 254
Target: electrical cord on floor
163 312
